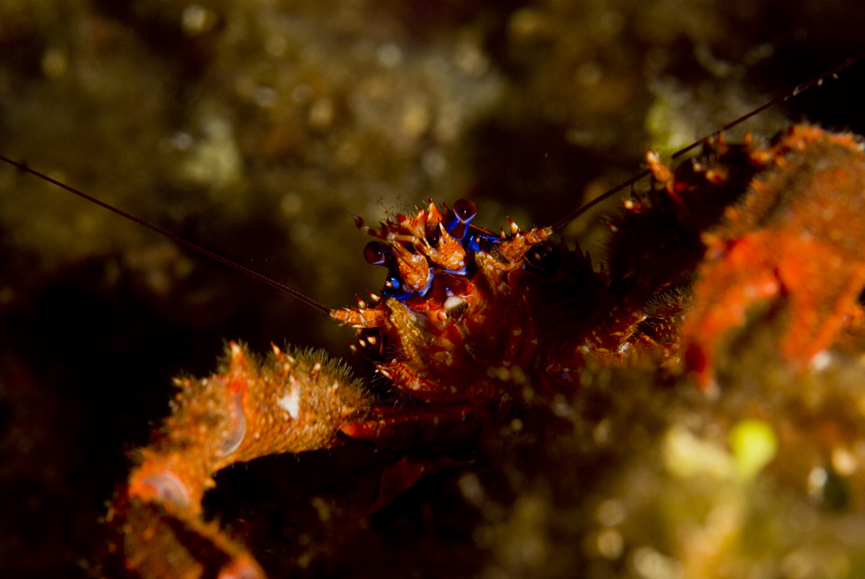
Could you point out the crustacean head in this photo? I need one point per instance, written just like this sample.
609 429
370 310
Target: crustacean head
442 311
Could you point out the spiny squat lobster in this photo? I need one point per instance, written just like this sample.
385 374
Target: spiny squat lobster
467 317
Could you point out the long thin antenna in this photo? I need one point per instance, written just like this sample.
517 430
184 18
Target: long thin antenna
197 248
798 89
817 80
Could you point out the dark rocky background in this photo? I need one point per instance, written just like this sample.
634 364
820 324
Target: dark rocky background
255 129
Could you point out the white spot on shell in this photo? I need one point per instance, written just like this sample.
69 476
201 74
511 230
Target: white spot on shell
238 427
291 403
168 488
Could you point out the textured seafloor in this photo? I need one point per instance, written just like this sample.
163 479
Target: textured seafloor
256 129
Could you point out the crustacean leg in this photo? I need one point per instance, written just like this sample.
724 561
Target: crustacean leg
289 403
796 236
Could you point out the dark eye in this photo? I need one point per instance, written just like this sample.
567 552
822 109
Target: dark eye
375 253
432 235
465 210
460 217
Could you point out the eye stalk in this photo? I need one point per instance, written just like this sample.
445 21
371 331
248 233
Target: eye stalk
460 217
433 234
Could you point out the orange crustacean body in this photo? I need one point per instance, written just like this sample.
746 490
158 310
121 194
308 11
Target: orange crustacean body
659 379
449 341
469 319
795 237
441 341
289 403
470 323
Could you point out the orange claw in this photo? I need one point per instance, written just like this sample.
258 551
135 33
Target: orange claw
289 403
795 236
793 224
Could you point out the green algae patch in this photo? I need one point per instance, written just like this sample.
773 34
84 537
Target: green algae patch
754 444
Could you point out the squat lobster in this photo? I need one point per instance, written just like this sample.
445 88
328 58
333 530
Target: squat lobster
797 235
467 318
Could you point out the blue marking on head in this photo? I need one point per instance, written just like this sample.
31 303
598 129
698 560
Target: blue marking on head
458 225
